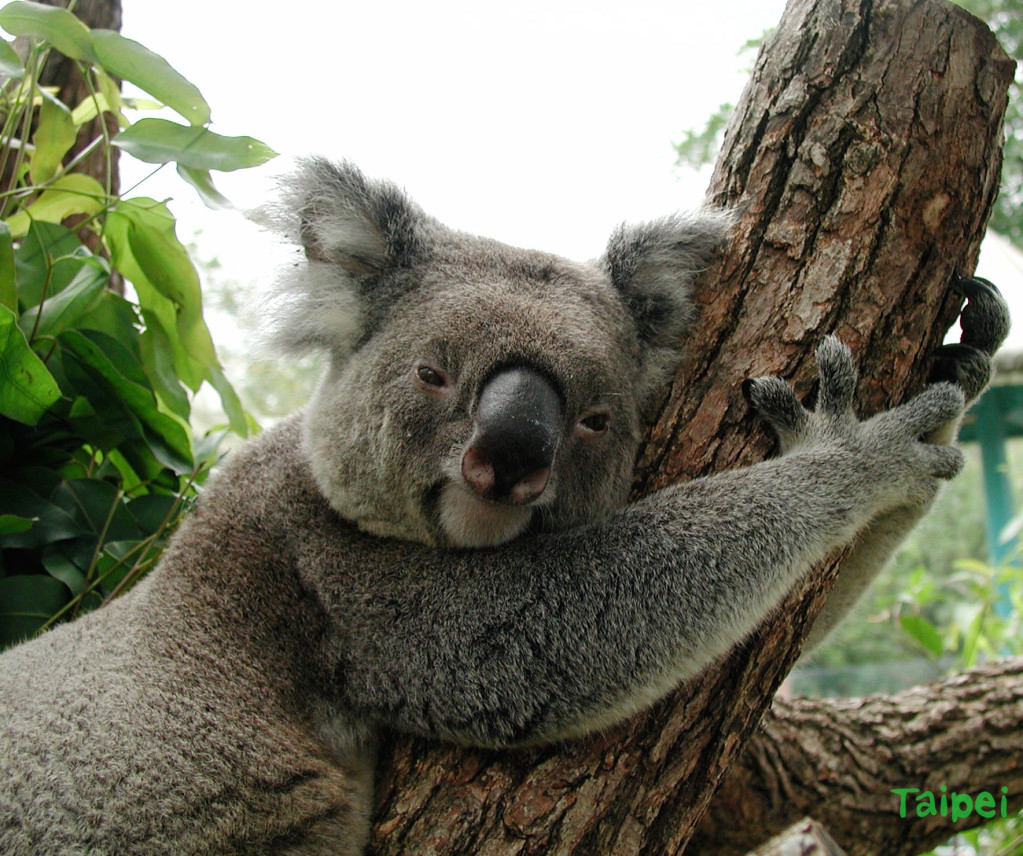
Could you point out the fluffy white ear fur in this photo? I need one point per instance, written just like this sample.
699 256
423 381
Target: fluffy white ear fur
312 306
349 228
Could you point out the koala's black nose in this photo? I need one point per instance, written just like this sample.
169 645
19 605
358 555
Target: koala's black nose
518 425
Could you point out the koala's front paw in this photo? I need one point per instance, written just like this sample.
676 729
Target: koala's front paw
886 455
985 324
774 399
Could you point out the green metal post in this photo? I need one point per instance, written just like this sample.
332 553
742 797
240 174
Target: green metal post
991 434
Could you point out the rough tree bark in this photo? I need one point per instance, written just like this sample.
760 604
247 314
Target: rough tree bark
809 750
865 156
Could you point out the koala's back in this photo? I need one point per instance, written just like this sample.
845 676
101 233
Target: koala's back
151 727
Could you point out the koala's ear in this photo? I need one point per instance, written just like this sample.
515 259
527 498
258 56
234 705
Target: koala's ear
346 219
353 230
653 266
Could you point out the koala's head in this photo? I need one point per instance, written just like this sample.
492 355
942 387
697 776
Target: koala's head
475 390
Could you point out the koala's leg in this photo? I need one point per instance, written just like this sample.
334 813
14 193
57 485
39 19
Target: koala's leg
985 323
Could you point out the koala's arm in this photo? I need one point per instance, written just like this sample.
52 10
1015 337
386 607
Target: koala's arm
985 324
554 635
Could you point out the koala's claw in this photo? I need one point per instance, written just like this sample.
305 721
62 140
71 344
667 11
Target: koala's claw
985 323
985 318
837 373
775 401
913 427
964 365
969 286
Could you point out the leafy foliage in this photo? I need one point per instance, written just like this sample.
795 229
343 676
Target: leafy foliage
1005 17
97 459
699 147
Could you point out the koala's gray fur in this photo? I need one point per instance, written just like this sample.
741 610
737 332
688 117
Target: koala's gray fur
363 564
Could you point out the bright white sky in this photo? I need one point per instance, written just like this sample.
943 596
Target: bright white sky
543 123
538 122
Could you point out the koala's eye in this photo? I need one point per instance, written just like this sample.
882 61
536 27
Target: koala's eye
431 377
593 424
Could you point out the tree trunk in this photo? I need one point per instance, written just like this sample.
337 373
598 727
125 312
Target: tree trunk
962 733
864 156
72 89
63 73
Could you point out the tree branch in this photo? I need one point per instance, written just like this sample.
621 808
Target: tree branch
839 759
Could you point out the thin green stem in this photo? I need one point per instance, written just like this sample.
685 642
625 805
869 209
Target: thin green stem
20 113
98 551
42 296
138 568
108 177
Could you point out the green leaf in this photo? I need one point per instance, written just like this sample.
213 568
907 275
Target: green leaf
8 284
12 524
75 193
154 511
923 632
157 354
10 63
116 317
972 637
27 389
60 567
140 104
40 479
52 24
50 522
26 603
202 182
90 108
63 310
160 141
53 139
110 428
151 73
115 563
110 92
144 247
95 504
975 568
229 401
123 383
49 258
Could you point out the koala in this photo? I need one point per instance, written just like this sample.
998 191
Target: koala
441 542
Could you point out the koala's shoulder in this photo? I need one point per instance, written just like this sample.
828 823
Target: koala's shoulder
266 479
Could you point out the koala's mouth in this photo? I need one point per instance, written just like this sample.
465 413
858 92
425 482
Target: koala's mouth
469 520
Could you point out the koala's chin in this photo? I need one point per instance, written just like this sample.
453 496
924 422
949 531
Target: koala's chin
469 521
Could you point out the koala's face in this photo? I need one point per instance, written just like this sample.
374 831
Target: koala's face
500 394
475 390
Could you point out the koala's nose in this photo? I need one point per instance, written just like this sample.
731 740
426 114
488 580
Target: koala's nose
518 425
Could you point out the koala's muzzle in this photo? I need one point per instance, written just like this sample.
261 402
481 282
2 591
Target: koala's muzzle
518 425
